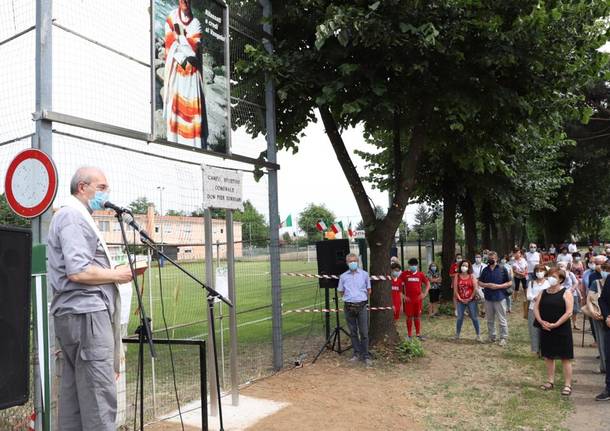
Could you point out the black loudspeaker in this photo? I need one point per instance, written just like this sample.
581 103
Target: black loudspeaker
331 260
15 286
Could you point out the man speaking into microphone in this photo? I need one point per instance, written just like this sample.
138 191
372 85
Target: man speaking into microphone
86 307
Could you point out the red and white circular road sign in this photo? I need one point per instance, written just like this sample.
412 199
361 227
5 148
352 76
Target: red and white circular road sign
31 183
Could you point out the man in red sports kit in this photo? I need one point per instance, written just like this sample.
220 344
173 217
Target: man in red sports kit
398 287
414 297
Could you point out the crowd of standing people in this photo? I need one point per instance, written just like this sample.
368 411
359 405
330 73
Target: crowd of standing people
556 288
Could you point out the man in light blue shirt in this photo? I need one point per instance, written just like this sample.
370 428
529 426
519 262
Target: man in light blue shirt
355 288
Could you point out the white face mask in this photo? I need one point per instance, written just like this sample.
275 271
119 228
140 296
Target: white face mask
540 275
592 266
553 281
477 259
464 269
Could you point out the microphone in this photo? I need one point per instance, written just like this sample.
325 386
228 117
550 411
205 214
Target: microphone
118 209
128 218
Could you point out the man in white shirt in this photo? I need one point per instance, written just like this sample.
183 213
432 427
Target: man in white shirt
533 258
478 266
564 256
572 248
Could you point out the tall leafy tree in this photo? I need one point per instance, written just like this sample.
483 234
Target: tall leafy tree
310 216
254 227
430 76
140 205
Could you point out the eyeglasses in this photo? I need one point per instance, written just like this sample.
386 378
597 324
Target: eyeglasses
100 187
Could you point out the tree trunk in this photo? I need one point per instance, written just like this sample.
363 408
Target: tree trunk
470 225
486 218
380 233
449 210
493 227
382 328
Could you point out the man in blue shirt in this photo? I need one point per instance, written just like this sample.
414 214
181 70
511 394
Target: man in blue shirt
355 288
494 281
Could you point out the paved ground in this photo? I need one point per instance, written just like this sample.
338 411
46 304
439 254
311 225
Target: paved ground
589 415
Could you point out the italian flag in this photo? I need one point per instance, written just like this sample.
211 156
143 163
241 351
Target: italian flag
287 222
350 232
321 226
335 227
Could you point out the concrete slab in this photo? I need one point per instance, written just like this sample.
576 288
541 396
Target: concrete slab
235 418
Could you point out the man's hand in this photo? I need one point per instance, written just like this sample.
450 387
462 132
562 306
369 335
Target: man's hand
122 274
421 296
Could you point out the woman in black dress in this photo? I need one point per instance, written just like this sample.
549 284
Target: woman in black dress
553 311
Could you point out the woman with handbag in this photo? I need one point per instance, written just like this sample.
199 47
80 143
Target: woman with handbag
464 284
536 286
553 309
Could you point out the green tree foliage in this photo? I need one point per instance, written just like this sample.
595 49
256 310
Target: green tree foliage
140 205
8 217
310 216
583 203
453 79
254 227
175 213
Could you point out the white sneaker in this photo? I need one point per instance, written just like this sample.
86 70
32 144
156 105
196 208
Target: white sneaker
502 342
354 359
479 339
368 363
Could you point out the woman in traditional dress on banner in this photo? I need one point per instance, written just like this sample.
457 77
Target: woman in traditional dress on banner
184 102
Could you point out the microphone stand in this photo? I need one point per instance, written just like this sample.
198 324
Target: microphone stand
211 294
143 331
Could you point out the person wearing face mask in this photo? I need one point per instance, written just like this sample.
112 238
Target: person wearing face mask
564 256
596 283
535 287
478 265
464 290
494 281
573 286
434 276
533 258
572 247
414 297
398 287
355 289
453 270
85 306
507 262
552 250
578 268
604 306
553 310
589 255
585 283
520 270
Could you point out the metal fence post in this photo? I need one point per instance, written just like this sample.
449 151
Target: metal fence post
274 218
43 140
233 310
209 279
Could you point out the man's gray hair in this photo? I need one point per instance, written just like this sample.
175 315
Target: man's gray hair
82 175
492 252
351 255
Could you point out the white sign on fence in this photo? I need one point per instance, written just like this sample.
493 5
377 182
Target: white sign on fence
359 234
222 188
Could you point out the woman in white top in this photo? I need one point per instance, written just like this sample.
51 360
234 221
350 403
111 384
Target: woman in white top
573 286
519 265
535 287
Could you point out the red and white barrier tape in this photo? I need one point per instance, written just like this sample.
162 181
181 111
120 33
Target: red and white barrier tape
32 423
331 310
332 277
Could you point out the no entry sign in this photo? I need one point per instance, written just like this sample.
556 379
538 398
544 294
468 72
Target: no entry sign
31 183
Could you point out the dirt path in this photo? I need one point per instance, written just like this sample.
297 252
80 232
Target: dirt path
588 414
458 386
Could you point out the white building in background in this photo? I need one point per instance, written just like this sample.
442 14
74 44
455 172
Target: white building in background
183 232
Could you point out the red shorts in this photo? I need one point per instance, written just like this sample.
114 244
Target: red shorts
414 306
